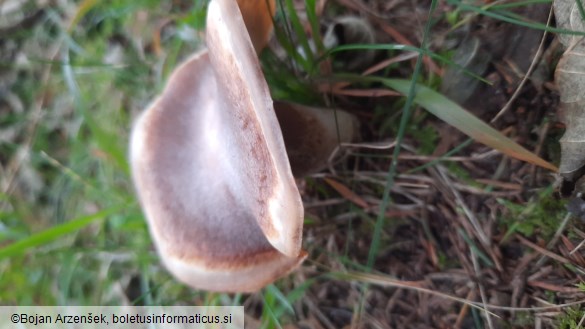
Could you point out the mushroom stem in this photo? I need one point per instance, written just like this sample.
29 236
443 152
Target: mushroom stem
311 134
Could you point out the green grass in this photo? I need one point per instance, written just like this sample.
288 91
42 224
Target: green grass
81 234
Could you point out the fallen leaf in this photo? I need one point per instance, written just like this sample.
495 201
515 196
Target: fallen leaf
450 112
347 193
570 79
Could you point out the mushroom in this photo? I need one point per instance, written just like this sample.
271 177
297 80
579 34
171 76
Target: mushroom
257 15
311 134
347 30
211 170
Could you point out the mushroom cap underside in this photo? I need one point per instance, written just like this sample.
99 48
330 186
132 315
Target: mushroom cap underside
211 171
202 214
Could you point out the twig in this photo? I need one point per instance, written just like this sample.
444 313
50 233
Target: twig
14 166
555 238
542 250
531 68
485 241
481 288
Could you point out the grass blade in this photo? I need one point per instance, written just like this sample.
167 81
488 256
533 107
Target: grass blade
399 47
299 30
512 20
55 232
410 91
464 121
315 27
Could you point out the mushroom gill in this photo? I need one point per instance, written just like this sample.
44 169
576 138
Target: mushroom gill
211 170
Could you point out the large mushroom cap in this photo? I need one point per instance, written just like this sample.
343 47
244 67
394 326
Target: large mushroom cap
211 170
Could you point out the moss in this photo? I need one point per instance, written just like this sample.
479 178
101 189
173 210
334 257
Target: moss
541 216
571 318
